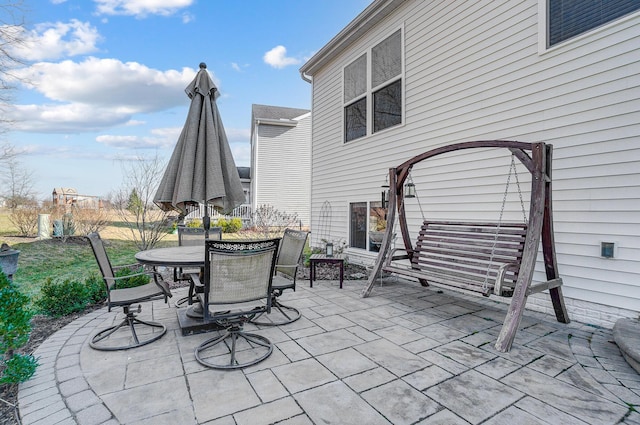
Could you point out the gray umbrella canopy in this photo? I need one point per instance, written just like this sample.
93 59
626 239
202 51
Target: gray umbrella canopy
201 169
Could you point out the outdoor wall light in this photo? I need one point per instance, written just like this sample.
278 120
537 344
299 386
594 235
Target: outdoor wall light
607 249
385 195
409 190
385 199
329 249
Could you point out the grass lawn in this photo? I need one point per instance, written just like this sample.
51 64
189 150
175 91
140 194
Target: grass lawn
70 259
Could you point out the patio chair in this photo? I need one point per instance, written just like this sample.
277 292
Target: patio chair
191 236
142 332
237 287
289 255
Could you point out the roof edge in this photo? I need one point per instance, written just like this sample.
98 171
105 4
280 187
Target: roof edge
369 17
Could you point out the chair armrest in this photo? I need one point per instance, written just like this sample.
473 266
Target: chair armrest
195 278
157 278
286 266
126 266
497 286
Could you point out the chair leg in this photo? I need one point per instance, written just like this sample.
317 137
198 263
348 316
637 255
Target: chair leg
189 298
130 321
259 348
280 315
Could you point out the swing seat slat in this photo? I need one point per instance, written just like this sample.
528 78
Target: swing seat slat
477 257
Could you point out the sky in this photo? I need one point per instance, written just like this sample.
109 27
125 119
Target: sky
102 81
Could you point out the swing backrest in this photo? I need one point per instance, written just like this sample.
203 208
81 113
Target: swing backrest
470 255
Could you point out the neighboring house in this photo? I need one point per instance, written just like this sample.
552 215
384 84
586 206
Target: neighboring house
407 76
245 179
68 196
281 160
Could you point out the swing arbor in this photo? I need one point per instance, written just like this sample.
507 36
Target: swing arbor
485 257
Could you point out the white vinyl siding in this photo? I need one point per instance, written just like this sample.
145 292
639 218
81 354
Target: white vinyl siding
283 166
473 72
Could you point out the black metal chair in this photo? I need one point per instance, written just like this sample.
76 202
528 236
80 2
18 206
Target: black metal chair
141 332
289 255
237 287
191 236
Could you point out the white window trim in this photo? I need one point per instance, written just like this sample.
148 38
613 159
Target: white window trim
370 90
367 224
543 30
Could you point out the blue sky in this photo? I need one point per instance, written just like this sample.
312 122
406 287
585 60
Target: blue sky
107 77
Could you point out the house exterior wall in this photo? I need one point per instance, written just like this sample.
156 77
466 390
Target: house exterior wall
475 71
282 168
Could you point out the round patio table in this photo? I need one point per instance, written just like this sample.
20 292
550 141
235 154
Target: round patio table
175 256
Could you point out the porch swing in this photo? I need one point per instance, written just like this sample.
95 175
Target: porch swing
490 258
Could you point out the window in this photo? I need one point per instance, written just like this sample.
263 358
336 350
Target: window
372 86
367 225
569 18
358 225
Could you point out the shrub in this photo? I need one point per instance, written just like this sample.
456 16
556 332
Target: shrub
96 292
194 223
269 222
134 281
66 297
25 218
15 327
62 298
88 220
232 225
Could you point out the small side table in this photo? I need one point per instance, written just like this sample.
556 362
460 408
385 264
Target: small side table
316 259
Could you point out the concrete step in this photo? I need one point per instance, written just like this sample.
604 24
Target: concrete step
626 333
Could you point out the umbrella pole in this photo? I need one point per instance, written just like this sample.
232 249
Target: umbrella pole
206 221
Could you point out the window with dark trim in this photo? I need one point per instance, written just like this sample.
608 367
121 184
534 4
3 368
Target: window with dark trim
367 225
358 225
569 18
372 86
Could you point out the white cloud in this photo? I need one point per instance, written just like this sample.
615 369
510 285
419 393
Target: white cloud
239 68
187 17
277 58
238 134
117 141
69 118
52 40
97 93
241 154
141 8
159 138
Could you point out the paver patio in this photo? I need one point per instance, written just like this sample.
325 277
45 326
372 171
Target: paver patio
405 355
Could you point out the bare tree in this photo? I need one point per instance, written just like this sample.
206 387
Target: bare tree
88 220
18 183
7 152
25 217
11 36
269 222
133 202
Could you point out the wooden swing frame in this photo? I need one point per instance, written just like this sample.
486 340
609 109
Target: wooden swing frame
537 159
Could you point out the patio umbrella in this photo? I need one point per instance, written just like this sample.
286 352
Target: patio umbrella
201 168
